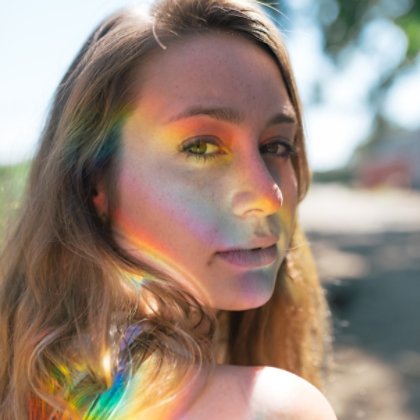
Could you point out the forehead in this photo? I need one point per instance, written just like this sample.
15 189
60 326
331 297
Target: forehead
214 69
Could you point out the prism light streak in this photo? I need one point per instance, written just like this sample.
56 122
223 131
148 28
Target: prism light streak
103 405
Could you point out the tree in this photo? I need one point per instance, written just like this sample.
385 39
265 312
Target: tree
350 27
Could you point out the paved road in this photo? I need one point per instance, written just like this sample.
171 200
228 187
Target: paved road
367 245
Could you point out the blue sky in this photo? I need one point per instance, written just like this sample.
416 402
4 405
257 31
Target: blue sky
38 40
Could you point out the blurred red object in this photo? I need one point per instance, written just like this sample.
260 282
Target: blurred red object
395 172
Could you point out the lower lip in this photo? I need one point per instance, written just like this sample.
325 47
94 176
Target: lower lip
250 258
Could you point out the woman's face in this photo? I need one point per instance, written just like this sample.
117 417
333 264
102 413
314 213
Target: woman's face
206 188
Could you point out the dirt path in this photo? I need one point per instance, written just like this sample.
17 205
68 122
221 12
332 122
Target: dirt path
367 245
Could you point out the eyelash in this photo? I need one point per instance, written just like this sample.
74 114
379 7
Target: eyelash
196 141
290 149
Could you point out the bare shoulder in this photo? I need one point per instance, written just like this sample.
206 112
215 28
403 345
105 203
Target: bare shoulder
278 394
251 393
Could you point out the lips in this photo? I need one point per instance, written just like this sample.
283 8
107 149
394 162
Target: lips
250 258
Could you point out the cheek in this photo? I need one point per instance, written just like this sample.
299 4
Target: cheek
286 179
166 213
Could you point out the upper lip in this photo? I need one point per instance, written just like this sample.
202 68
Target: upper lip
261 242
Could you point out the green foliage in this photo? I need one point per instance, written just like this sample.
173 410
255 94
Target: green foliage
12 184
353 16
410 23
342 31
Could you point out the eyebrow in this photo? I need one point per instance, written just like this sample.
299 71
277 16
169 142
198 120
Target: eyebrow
231 115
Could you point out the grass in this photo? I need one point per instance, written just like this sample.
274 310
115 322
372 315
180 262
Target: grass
12 185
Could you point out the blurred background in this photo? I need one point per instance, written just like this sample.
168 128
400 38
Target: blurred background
357 65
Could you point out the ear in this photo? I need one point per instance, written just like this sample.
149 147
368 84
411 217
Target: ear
100 199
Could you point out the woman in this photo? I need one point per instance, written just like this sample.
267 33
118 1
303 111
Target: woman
157 268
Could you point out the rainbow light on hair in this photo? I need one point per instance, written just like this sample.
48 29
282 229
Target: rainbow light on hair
108 402
83 397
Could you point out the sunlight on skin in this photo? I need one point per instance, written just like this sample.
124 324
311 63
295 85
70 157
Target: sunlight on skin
181 210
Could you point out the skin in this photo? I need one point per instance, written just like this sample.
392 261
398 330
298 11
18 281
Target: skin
205 168
258 393
251 393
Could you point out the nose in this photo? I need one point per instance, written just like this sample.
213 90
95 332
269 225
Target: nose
256 192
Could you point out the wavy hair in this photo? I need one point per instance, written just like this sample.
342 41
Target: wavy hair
88 332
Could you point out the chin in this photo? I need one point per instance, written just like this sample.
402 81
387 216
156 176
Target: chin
255 289
252 304
244 301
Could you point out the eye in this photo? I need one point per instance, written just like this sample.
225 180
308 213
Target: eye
280 148
203 147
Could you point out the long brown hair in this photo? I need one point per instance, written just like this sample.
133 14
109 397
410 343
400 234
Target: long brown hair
70 297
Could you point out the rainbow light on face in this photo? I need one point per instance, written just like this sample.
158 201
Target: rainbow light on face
149 250
149 246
